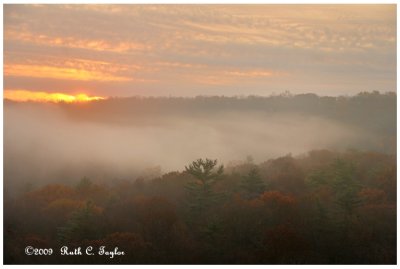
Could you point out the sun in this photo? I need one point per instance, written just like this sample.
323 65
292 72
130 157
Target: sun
25 96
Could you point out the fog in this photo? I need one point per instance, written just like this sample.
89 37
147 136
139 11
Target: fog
45 143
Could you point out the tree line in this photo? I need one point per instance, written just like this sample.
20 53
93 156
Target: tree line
323 207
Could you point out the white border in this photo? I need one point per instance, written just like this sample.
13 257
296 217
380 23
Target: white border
195 2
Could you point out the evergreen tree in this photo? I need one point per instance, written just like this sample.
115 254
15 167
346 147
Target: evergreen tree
201 194
346 186
252 184
84 184
79 226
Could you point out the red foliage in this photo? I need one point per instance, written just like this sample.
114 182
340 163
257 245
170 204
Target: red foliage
285 174
245 203
278 198
93 192
62 208
50 193
372 196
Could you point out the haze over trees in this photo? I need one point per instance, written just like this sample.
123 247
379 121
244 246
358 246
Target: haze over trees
115 138
288 179
340 209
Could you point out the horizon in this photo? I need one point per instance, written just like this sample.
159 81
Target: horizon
47 99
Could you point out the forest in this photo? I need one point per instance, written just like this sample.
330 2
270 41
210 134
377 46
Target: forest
322 208
333 203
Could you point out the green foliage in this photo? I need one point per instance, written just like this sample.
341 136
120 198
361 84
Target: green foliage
322 223
79 226
205 170
317 178
341 178
84 184
252 184
346 186
201 193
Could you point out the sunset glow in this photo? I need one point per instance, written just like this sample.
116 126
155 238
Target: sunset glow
24 96
190 50
38 71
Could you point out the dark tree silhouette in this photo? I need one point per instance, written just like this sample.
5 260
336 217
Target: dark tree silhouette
79 226
346 186
206 173
252 184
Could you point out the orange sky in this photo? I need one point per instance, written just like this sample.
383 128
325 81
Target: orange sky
23 96
188 50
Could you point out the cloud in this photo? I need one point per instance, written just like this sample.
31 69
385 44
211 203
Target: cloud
43 71
72 42
196 49
24 95
253 73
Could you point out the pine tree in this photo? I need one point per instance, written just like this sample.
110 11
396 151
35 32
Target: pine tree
346 186
252 184
201 193
79 226
84 184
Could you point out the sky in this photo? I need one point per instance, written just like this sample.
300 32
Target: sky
190 50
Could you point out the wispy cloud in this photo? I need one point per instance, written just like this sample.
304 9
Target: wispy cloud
191 49
253 73
73 42
42 71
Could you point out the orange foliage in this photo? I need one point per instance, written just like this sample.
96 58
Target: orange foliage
278 198
50 193
93 192
372 196
253 203
63 207
285 174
